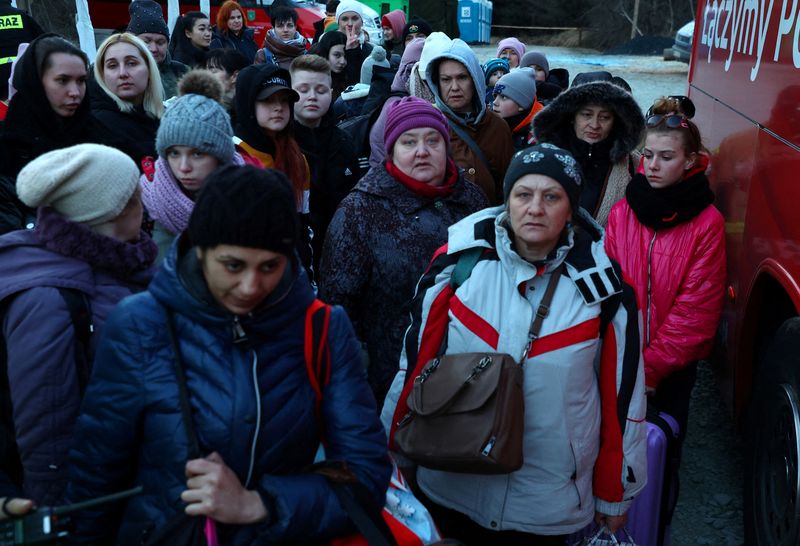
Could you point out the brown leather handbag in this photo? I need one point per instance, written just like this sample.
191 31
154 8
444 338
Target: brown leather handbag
467 411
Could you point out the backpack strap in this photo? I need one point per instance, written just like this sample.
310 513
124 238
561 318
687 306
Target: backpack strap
317 351
467 261
81 316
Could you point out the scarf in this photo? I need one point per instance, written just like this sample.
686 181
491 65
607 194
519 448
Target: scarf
285 51
423 189
123 259
165 201
659 208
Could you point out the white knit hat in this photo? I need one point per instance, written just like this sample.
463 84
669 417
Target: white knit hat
349 5
87 183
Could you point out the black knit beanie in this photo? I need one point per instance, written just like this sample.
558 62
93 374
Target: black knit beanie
146 16
547 160
245 206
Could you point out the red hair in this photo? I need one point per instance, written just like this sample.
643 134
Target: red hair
224 14
289 159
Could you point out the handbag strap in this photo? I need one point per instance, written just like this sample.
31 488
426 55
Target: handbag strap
466 139
542 311
186 408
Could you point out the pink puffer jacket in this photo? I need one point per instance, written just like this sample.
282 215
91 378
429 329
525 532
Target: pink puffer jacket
684 266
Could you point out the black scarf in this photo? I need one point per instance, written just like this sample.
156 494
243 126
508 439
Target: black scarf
667 207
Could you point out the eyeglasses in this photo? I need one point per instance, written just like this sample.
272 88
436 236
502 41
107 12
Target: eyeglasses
672 121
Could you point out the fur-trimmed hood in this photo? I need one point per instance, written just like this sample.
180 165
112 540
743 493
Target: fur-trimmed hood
554 124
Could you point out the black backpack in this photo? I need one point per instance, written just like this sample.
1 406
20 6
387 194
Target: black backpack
358 127
81 317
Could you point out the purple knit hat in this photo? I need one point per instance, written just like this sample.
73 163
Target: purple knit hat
511 43
412 113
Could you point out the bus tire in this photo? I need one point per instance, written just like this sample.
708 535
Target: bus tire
772 471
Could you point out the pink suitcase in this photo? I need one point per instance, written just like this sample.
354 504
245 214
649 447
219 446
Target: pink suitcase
651 512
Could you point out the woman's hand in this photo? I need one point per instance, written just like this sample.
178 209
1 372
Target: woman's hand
14 507
215 491
613 523
352 39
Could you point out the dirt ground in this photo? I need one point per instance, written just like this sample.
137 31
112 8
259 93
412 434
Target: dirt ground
709 507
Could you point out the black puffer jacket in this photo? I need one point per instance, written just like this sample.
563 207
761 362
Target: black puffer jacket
378 245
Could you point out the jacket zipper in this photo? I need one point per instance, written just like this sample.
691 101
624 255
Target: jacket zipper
574 477
649 286
258 420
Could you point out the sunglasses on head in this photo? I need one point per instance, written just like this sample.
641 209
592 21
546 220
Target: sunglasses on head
672 121
685 104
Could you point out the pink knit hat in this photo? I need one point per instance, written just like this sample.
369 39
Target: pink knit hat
511 43
412 113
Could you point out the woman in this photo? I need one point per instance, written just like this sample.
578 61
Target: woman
232 31
226 64
49 111
127 100
87 252
237 297
194 138
384 231
264 104
331 47
601 125
578 463
191 39
350 19
670 242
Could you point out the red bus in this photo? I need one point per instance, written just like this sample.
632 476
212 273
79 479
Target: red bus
744 79
111 15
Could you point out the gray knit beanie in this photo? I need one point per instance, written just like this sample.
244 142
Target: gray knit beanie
88 183
536 58
146 16
198 121
519 85
376 58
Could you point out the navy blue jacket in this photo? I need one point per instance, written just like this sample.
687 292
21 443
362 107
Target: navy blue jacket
130 429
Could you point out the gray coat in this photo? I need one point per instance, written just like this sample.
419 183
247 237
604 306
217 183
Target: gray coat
379 243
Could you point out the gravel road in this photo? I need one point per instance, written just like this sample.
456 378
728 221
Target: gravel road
709 510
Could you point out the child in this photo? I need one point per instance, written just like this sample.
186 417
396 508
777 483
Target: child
493 70
515 101
549 84
283 42
512 50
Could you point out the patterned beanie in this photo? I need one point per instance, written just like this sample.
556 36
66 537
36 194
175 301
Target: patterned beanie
511 43
198 121
412 113
493 65
518 85
246 206
88 183
146 16
547 160
535 58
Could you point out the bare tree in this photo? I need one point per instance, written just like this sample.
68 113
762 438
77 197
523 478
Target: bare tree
53 15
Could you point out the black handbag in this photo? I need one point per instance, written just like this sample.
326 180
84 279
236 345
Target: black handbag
181 529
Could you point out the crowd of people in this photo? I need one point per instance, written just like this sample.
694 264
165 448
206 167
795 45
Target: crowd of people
173 211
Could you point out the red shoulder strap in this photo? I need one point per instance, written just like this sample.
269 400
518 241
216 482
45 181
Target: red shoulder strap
317 351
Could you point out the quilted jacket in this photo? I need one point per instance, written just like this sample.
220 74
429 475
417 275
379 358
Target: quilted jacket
679 278
252 403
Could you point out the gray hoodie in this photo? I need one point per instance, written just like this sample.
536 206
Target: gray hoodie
456 50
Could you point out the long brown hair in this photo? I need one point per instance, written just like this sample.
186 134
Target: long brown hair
290 160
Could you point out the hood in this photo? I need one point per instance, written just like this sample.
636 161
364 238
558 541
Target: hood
456 50
397 21
179 285
248 85
554 124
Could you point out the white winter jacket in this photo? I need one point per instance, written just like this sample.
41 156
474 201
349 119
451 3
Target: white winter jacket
584 443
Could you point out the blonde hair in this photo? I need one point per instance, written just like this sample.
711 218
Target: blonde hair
153 101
